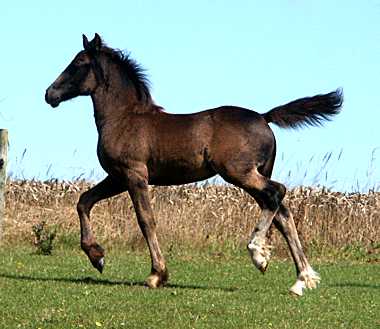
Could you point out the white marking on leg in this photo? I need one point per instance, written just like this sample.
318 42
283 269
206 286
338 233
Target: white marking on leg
310 277
307 279
260 253
298 288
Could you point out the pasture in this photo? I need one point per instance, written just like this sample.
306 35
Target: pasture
205 291
212 284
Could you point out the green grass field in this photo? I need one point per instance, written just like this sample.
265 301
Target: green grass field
205 291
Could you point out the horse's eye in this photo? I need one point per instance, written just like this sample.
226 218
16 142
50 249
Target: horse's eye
80 61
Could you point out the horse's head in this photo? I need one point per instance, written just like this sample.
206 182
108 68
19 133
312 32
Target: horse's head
80 78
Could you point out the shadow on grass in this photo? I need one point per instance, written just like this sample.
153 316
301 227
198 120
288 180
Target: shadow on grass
354 285
107 282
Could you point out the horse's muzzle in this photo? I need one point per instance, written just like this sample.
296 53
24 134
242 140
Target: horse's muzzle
52 98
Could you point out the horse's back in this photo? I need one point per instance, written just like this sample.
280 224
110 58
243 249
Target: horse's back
191 147
211 128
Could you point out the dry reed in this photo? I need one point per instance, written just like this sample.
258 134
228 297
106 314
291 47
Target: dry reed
207 215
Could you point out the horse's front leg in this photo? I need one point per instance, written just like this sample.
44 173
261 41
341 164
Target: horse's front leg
105 189
306 276
138 190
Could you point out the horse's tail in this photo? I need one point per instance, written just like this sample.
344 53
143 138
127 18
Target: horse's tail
306 111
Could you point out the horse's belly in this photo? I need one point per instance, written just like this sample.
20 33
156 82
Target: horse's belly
178 173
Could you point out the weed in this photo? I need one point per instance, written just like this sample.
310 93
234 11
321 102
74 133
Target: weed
43 238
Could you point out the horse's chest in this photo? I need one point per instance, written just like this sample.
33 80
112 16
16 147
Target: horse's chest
103 156
109 157
117 154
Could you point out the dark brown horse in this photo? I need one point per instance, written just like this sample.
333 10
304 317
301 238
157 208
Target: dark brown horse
139 144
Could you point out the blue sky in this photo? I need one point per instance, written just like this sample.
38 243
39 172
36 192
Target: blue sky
198 55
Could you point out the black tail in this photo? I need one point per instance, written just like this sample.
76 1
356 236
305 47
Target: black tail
306 111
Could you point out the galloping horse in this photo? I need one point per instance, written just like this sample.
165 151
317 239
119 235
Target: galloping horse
140 144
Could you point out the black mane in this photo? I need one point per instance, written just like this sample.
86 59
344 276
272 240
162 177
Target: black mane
133 71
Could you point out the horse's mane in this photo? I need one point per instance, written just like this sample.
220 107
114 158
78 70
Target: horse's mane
132 71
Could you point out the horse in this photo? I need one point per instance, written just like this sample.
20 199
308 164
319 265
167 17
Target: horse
139 144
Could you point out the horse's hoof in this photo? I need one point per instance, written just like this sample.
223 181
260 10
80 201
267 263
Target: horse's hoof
99 264
156 280
153 281
297 288
307 279
263 268
95 254
261 264
260 255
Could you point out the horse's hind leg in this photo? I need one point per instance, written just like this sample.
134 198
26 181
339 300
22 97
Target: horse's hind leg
269 195
306 276
283 220
105 189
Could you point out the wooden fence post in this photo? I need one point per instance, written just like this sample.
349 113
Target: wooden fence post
3 174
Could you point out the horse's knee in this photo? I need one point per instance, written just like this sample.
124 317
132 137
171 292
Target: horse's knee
81 209
83 205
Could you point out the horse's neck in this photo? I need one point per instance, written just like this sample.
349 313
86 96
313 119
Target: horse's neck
113 105
114 99
108 106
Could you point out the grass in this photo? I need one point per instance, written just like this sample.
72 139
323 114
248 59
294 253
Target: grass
203 230
205 291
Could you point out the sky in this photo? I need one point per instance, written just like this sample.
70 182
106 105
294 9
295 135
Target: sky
199 55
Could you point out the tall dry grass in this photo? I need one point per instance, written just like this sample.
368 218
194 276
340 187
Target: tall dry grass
200 216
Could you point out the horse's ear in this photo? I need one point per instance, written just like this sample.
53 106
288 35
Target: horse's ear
97 42
86 44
